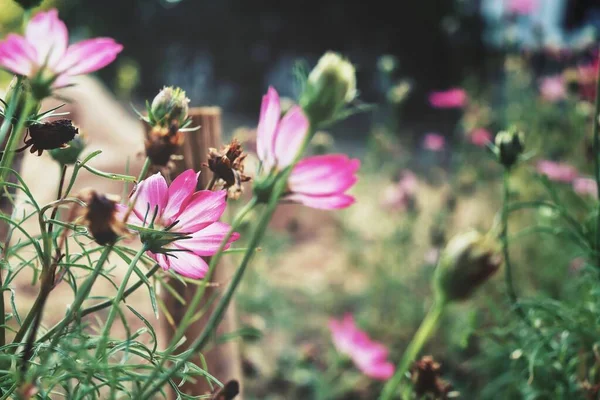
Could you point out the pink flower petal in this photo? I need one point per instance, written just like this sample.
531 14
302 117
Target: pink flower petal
89 56
585 186
558 172
17 55
133 219
204 208
480 137
270 112
434 142
333 202
187 264
49 36
291 133
151 193
207 241
324 175
452 98
553 88
180 192
521 7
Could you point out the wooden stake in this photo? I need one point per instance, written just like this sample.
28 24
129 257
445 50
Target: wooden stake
223 361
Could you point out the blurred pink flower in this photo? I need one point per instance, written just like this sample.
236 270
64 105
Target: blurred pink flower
553 88
521 7
318 181
44 52
193 213
452 98
558 172
434 142
480 137
400 195
586 76
585 186
368 356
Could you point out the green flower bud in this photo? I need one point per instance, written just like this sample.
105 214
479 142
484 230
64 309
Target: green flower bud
69 155
330 86
170 106
466 262
509 146
28 4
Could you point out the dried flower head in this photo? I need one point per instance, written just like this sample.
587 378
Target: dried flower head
426 377
101 216
510 145
467 261
228 392
227 166
50 135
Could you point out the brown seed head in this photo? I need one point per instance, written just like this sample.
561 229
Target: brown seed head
227 166
50 135
426 377
101 217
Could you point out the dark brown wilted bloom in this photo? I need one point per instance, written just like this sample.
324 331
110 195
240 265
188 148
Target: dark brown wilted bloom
50 135
101 217
426 377
162 143
227 166
227 392
467 261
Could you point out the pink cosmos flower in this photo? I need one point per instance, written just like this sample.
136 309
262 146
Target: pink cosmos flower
480 137
368 356
193 213
318 181
553 88
585 186
44 51
521 7
401 195
558 172
452 98
434 142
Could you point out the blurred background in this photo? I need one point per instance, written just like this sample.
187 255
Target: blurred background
426 173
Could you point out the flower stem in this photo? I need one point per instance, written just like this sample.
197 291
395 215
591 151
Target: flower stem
15 137
414 347
512 294
596 146
144 170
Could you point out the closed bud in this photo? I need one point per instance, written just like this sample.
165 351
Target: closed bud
330 86
169 107
70 154
28 4
510 145
467 261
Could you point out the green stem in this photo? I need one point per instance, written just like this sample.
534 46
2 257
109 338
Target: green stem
414 347
512 294
116 303
15 137
9 111
596 145
144 170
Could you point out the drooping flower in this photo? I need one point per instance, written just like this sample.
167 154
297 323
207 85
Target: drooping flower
44 54
50 135
585 186
521 7
553 88
451 98
368 355
557 171
434 142
318 181
101 216
193 214
480 137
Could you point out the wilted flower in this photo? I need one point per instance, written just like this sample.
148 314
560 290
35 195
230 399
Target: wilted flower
427 379
180 210
43 54
168 120
521 7
368 355
557 171
401 195
50 135
227 166
585 186
434 142
467 261
480 137
102 217
318 181
509 146
70 154
330 86
452 98
553 88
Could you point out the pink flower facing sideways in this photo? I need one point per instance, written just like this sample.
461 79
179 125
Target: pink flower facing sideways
558 172
194 214
317 181
452 98
44 52
369 356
